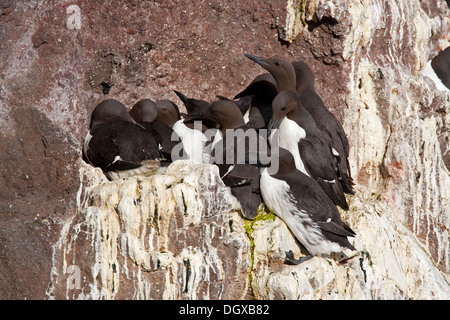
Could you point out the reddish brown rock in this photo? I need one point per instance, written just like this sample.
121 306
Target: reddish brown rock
52 76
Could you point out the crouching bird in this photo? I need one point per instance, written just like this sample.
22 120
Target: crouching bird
119 145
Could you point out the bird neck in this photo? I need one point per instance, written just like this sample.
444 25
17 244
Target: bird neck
286 83
286 80
295 113
168 121
304 85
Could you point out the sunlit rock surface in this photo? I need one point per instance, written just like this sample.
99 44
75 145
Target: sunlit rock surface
68 233
175 235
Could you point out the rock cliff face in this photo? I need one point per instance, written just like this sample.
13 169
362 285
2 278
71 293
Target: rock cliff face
172 236
68 233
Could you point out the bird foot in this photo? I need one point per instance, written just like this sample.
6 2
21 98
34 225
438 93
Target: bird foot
292 261
343 259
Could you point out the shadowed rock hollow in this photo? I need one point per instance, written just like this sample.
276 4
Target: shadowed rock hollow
68 233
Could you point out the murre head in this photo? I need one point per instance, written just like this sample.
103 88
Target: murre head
168 112
108 111
304 76
284 103
280 69
144 110
226 113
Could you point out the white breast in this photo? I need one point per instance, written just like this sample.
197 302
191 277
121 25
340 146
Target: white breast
194 143
289 135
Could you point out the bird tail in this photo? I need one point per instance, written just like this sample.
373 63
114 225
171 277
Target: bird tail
337 233
347 184
345 178
335 192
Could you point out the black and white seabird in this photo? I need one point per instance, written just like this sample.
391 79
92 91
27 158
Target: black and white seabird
305 208
299 78
145 112
194 144
232 151
118 145
311 148
438 70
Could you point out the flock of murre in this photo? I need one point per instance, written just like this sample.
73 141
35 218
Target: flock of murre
297 166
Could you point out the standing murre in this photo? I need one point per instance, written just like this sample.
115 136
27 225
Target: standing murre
310 147
309 213
118 145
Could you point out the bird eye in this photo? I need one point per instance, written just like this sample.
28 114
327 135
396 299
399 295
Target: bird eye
277 64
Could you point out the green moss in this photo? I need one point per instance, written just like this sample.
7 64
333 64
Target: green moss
249 228
264 216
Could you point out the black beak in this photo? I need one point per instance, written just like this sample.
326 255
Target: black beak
256 59
182 97
190 118
273 126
